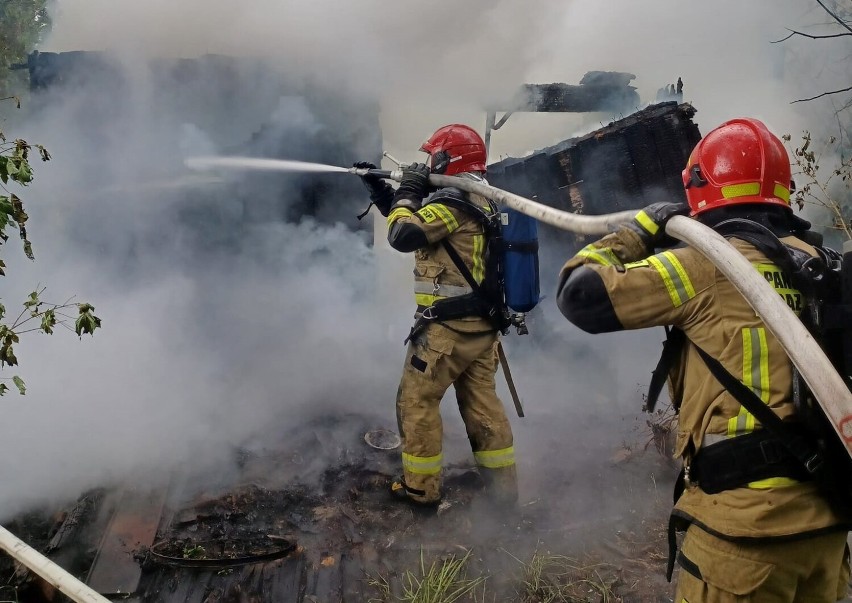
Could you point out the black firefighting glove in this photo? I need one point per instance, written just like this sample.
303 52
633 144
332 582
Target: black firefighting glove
414 184
381 193
650 223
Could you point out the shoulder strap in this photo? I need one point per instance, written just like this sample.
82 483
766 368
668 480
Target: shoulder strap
458 199
672 346
805 270
800 448
465 272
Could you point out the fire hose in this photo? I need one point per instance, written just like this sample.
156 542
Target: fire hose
66 583
826 384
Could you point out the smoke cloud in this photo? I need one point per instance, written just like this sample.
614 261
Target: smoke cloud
226 313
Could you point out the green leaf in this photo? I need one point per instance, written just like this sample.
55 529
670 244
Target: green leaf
25 172
21 217
11 167
3 388
7 353
87 322
20 384
48 321
4 170
32 300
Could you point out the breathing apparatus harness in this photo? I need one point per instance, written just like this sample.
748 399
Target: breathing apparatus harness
488 298
805 450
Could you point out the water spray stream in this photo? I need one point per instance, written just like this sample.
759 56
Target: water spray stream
257 163
582 224
826 384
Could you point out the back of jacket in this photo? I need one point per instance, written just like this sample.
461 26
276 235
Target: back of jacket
436 276
680 287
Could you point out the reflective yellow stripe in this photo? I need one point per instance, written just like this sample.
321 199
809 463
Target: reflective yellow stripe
740 190
674 277
681 273
782 192
603 255
773 482
478 272
744 422
495 459
763 367
756 362
639 264
755 376
753 188
426 299
440 289
399 212
667 280
445 214
647 223
423 465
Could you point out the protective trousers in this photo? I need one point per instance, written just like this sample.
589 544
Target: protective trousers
814 569
438 358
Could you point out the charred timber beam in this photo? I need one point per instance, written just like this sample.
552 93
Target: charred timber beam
553 98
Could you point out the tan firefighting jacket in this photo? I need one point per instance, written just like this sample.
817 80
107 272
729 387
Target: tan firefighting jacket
680 287
436 276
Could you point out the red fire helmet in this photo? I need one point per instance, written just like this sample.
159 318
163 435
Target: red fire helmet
454 149
739 162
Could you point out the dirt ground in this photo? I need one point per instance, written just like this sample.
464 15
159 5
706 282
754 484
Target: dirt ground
322 498
311 520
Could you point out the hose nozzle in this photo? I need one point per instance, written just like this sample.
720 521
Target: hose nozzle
392 175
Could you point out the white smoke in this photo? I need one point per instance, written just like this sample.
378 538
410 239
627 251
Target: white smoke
212 333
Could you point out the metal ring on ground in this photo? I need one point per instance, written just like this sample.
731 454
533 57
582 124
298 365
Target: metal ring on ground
276 550
382 439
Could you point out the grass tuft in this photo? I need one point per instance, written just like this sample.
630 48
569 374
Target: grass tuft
547 578
444 580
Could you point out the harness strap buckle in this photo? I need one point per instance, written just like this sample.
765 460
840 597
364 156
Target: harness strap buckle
814 463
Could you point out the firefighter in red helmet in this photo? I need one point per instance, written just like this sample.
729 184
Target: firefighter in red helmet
757 527
455 149
454 340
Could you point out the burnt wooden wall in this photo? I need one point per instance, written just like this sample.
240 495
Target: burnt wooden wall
627 164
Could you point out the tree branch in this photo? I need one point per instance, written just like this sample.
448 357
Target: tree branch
802 100
812 37
836 18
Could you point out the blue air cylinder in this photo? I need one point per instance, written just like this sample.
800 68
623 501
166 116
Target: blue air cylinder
520 260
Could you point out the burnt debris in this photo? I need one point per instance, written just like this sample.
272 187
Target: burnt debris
627 164
597 91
